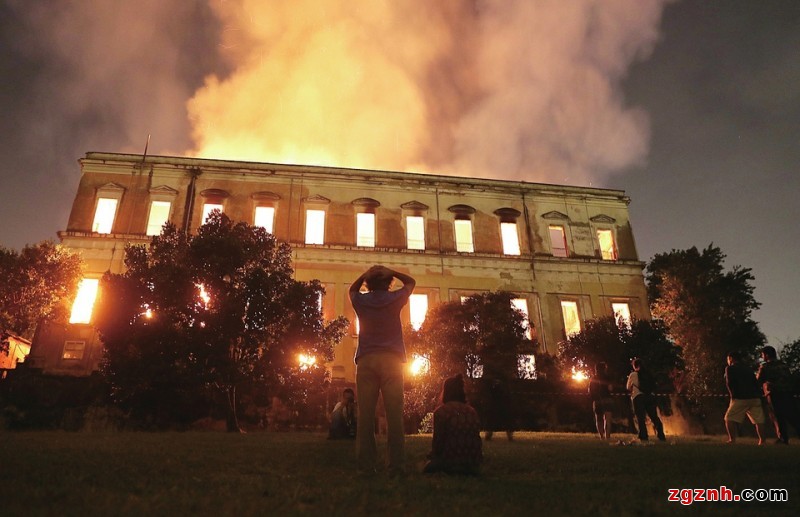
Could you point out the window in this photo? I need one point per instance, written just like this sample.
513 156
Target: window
159 214
365 230
315 226
558 241
508 232
265 218
572 323
415 232
622 313
84 301
208 208
104 215
521 304
463 230
418 306
607 249
526 366
73 349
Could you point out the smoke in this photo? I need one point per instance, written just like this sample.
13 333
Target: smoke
516 89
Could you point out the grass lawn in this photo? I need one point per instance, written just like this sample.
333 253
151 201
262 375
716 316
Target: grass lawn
58 473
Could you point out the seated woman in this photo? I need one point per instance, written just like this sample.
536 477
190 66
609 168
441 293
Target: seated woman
456 433
343 417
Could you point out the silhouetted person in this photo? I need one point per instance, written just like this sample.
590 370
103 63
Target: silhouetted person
745 398
457 447
380 360
343 417
602 402
776 382
642 387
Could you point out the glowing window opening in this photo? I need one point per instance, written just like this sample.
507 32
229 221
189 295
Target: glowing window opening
572 323
607 249
508 231
365 230
104 215
159 214
207 209
84 302
73 349
418 307
315 226
265 218
558 241
622 313
463 230
526 366
521 304
415 232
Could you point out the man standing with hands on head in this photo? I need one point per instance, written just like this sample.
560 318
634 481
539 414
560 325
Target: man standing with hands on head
380 359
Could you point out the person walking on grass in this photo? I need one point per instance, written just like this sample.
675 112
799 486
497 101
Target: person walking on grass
602 402
642 387
776 382
745 398
380 359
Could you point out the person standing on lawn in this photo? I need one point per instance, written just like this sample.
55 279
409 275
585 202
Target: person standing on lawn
602 402
380 360
776 381
642 387
745 398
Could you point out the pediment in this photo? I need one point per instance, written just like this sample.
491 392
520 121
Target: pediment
265 195
317 199
555 215
461 209
366 202
507 214
214 193
414 205
110 187
602 218
164 191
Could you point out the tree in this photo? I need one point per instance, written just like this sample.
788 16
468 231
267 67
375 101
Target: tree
790 354
480 337
211 312
707 311
36 284
603 339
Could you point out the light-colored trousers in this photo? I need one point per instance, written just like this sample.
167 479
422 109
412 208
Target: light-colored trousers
380 373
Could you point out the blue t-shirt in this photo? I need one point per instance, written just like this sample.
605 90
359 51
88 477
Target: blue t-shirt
380 329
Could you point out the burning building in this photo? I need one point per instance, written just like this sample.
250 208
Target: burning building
567 252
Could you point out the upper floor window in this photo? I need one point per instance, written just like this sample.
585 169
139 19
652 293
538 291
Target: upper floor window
608 250
558 241
104 215
462 228
508 232
84 301
265 218
418 308
622 313
315 226
572 322
415 232
521 304
365 230
159 215
208 208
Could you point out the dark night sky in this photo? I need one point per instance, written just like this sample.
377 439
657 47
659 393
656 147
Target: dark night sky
721 89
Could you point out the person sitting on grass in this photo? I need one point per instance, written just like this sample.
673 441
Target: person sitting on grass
745 398
457 447
343 417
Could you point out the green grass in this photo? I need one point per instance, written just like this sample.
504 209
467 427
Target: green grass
58 473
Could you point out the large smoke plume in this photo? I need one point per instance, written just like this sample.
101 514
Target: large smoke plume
516 89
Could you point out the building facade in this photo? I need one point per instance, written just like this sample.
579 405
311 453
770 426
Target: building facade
567 252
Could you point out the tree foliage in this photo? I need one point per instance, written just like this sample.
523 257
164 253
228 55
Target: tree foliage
35 284
706 309
480 337
603 339
199 315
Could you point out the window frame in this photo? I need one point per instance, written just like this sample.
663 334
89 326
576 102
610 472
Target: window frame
563 231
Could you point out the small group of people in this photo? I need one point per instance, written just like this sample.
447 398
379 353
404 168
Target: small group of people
750 391
641 386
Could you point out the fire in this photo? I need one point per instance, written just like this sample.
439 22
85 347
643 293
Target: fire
419 365
579 375
306 361
204 294
84 301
